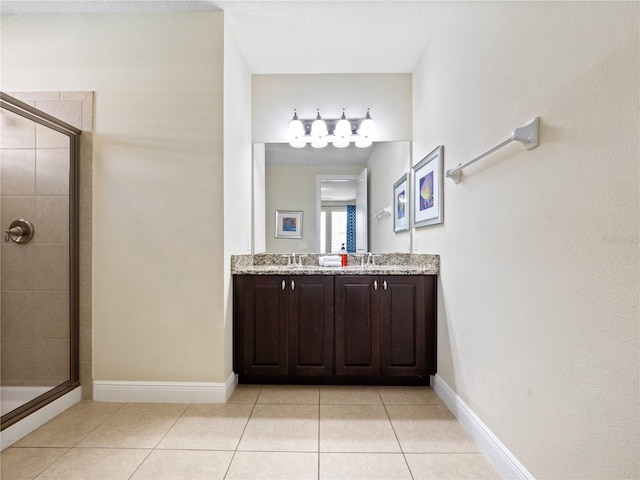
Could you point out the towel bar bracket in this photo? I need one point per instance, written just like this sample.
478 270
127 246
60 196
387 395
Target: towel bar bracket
527 135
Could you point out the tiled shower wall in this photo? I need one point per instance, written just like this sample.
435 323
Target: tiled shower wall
34 184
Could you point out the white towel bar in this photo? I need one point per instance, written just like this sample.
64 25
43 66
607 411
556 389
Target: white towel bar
527 135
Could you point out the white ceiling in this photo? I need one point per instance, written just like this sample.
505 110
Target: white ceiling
296 36
279 37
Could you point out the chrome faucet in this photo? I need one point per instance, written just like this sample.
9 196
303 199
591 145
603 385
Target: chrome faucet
370 259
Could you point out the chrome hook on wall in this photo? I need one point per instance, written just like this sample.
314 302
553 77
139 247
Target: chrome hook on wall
20 231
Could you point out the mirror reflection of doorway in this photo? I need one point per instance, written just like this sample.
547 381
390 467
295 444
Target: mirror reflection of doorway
342 205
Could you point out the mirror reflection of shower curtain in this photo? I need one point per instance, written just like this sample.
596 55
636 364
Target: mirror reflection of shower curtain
351 228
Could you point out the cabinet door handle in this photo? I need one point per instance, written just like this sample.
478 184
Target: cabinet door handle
384 284
375 284
284 284
293 284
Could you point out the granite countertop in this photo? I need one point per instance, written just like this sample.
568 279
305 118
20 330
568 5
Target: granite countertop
384 264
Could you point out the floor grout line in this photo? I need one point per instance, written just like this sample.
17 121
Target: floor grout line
404 456
318 452
253 407
159 441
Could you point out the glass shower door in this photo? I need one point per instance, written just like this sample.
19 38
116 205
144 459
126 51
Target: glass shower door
36 261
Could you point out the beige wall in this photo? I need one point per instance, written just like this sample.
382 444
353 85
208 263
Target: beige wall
158 247
237 175
388 162
538 294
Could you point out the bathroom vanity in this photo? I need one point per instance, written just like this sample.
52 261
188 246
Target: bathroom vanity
360 324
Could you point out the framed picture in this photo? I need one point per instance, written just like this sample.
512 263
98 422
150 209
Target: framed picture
428 189
288 224
401 204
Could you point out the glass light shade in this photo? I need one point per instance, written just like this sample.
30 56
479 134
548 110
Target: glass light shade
319 144
319 128
298 143
296 128
341 143
364 143
343 127
367 127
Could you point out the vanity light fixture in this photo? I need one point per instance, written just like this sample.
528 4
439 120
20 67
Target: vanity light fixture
339 132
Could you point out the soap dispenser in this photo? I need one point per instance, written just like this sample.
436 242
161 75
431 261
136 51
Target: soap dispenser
343 255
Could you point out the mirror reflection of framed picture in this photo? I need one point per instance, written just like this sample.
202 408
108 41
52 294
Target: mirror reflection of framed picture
288 224
428 189
401 204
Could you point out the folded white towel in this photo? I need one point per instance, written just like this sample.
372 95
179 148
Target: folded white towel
332 263
329 258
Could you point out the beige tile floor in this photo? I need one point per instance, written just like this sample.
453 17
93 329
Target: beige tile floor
264 432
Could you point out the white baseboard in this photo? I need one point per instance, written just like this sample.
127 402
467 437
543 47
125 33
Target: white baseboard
20 429
164 392
504 461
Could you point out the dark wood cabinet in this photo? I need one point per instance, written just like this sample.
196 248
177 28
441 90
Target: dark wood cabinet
385 325
407 325
283 325
343 329
261 330
357 318
311 325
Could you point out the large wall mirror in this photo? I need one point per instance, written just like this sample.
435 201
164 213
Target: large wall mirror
338 191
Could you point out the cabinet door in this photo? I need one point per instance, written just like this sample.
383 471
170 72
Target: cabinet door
403 324
265 332
311 325
357 323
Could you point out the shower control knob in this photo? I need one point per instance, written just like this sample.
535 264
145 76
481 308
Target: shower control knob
20 231
15 231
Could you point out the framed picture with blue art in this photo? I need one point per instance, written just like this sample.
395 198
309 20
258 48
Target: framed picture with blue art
428 189
401 204
288 224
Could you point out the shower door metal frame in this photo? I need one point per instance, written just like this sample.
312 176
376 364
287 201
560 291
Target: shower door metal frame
27 111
